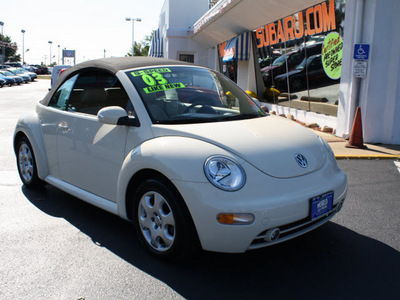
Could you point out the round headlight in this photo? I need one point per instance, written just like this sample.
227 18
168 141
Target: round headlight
224 173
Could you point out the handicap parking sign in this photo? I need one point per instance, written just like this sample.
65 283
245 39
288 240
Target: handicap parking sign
361 51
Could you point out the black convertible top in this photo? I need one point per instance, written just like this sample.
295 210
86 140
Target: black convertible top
116 64
113 65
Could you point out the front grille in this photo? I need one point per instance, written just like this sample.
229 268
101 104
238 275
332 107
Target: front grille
292 230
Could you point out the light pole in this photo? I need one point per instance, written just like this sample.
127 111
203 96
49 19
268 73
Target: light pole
58 55
3 53
23 49
50 42
133 39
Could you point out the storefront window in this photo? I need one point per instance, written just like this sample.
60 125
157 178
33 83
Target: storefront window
227 61
300 58
231 53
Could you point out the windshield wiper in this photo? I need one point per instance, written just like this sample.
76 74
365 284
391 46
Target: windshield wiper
240 117
188 120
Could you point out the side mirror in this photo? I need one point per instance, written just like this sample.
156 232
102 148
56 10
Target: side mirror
115 115
111 115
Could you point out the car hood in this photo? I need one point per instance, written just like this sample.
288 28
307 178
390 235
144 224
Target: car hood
270 144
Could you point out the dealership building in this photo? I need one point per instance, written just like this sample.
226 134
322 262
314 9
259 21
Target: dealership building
316 60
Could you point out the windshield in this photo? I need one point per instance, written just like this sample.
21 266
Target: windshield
280 60
8 73
179 95
302 65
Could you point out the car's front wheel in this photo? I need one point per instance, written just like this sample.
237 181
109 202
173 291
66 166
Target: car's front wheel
162 222
26 164
296 84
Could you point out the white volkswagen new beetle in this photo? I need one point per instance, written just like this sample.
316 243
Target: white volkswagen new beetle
182 152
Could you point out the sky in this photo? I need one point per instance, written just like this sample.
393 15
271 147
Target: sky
86 26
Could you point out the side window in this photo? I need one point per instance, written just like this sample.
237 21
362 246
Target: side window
61 97
94 90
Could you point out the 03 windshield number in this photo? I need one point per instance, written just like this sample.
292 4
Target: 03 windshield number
154 79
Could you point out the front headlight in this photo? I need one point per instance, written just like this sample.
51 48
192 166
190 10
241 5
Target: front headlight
328 148
224 173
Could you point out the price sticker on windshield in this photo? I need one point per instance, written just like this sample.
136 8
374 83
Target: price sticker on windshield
163 87
155 80
150 71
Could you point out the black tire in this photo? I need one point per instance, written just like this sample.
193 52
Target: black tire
26 164
296 84
162 222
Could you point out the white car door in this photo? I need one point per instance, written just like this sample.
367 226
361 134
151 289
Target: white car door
90 154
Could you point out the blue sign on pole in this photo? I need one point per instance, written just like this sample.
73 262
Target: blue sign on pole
361 51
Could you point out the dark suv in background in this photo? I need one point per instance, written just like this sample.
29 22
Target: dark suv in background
42 70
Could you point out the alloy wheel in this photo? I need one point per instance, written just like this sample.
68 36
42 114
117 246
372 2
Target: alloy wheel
25 162
156 221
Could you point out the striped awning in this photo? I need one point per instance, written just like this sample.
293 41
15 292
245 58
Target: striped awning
236 49
157 45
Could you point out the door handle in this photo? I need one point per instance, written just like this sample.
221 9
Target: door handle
63 127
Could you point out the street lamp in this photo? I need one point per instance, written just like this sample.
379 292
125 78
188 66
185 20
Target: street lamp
133 40
50 42
23 49
58 55
2 44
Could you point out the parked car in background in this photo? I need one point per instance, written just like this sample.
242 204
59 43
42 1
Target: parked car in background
32 75
188 173
25 77
310 68
18 79
32 69
13 65
2 82
267 61
287 62
315 39
56 72
41 70
8 80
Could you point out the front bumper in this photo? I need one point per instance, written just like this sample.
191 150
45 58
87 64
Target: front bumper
274 202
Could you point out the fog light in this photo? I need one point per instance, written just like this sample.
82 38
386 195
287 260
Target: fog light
272 235
339 206
235 219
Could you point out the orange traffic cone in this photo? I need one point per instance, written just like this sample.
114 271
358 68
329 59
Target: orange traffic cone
356 136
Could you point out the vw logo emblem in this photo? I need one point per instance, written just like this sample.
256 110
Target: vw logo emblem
301 160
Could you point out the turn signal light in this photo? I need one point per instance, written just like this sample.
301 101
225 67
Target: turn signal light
235 219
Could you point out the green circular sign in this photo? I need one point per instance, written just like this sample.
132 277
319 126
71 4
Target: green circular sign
332 52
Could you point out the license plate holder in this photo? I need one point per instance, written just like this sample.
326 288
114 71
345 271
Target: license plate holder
321 205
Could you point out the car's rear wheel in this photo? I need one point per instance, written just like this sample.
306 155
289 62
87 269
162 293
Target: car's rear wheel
162 222
26 164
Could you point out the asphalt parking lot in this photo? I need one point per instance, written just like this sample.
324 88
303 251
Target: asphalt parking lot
54 246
